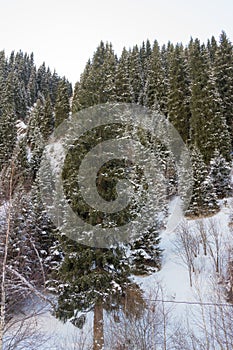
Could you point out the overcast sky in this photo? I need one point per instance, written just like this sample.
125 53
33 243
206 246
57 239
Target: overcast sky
65 33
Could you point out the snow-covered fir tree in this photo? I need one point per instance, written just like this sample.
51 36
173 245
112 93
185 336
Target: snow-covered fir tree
220 173
203 199
62 103
179 93
224 77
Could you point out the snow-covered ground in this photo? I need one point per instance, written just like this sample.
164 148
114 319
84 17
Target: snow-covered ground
42 331
174 274
199 306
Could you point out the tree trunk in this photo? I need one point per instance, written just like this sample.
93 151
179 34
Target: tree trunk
190 276
4 263
98 338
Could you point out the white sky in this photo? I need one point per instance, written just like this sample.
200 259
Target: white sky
65 33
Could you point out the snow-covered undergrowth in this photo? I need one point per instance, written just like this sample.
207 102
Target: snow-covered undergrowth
192 282
187 296
174 272
35 328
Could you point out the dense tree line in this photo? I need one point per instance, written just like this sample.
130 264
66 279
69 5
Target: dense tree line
191 86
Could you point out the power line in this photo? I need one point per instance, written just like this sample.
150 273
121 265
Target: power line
189 302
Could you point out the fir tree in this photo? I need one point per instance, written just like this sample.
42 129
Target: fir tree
22 166
53 86
42 80
8 131
179 94
136 75
198 67
34 136
109 71
20 98
145 252
83 96
100 82
154 86
122 79
212 48
220 172
3 72
62 104
90 279
32 88
46 124
75 99
224 75
145 54
215 133
208 126
203 199
89 276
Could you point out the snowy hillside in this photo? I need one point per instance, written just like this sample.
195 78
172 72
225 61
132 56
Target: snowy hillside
171 286
201 311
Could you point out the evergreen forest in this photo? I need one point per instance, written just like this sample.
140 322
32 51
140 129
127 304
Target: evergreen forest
191 85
